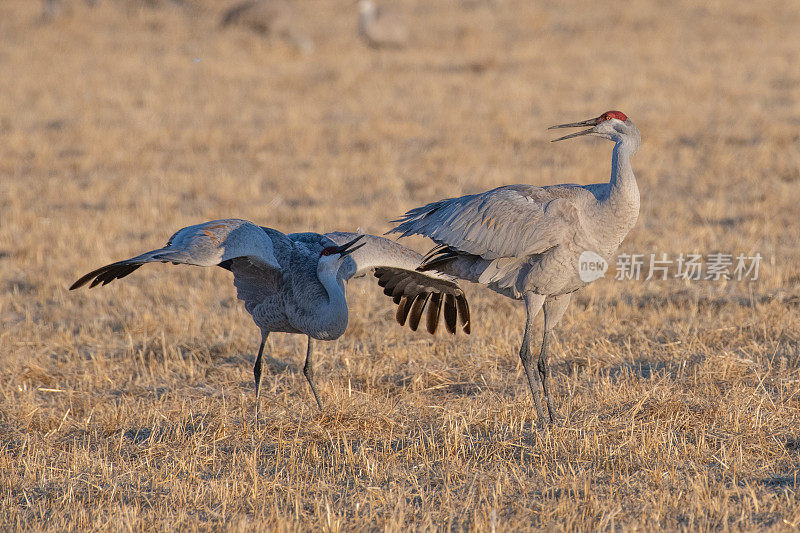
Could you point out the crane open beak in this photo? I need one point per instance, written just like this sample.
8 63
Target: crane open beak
591 122
348 248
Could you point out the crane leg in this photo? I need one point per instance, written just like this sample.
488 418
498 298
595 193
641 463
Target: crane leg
533 302
257 371
554 308
308 372
544 374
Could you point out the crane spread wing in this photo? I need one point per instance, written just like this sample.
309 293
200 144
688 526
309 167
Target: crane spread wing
219 242
413 291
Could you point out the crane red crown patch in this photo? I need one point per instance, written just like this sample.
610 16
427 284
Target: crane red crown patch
608 115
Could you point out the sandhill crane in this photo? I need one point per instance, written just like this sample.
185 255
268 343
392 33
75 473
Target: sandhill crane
379 28
295 283
269 17
525 242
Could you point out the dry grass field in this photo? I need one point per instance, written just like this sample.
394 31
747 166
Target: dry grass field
130 406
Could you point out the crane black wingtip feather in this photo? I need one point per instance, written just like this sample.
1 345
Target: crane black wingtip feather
434 310
450 313
402 311
463 313
86 278
417 308
83 280
78 284
105 275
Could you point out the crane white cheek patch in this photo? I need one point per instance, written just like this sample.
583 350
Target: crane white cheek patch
591 266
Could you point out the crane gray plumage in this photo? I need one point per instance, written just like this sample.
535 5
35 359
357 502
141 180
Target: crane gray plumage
295 283
525 241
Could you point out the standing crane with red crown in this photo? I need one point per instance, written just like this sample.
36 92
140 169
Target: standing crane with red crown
525 242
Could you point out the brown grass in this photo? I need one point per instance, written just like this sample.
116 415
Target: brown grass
131 406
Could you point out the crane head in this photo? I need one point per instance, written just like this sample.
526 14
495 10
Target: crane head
610 125
336 260
343 250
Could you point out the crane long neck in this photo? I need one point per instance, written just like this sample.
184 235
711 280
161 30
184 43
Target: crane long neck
617 211
624 192
335 311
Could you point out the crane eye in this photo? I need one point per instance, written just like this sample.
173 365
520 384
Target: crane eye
330 250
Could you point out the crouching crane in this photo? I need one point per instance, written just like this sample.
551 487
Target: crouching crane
295 283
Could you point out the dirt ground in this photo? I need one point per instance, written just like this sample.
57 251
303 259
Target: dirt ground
130 406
